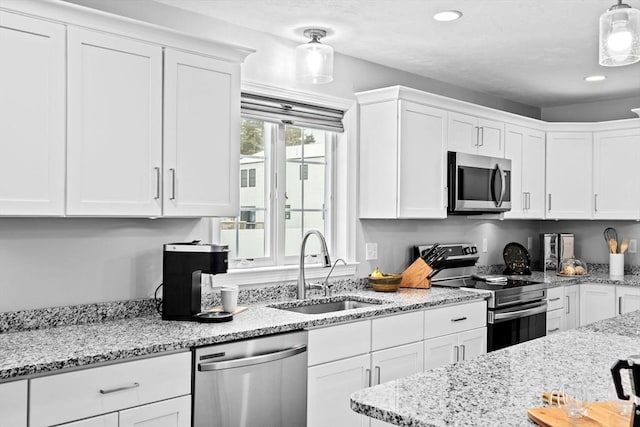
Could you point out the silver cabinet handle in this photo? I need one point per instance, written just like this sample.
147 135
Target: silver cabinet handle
157 170
481 142
595 203
122 388
477 136
568 302
549 205
462 350
459 319
619 305
553 330
554 299
368 373
457 349
377 369
173 184
252 360
528 200
524 200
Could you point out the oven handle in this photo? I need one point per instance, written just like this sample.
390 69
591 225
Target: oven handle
510 315
253 360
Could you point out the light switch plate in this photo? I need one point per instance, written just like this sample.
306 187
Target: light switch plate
529 243
485 244
371 251
633 246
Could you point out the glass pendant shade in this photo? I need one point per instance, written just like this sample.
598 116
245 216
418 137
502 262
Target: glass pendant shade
619 36
314 60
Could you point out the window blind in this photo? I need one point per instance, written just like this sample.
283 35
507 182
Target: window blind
291 113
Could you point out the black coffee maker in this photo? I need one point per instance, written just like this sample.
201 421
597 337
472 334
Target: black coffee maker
182 268
633 365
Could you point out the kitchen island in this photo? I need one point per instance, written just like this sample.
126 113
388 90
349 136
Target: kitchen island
497 389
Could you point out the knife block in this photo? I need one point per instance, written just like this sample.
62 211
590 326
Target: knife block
415 276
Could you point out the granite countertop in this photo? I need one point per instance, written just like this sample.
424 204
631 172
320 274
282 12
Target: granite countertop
553 280
41 351
499 387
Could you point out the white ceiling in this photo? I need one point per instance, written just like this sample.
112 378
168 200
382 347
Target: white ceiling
532 51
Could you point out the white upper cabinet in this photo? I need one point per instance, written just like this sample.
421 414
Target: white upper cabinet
616 156
402 160
475 135
568 177
32 116
201 135
526 149
114 125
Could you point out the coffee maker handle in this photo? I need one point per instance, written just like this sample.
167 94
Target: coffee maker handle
617 381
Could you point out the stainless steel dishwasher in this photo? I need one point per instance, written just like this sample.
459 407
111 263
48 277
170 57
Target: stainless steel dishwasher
259 382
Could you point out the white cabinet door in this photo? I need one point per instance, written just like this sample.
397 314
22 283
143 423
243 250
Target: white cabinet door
114 141
469 134
569 189
109 420
329 388
571 306
168 413
526 149
32 116
597 302
616 155
555 321
472 343
201 135
628 299
13 404
422 148
441 351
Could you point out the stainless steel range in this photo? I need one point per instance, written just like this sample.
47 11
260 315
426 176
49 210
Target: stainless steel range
516 308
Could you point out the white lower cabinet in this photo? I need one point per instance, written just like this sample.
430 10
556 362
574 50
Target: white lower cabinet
119 388
571 306
628 299
555 310
597 302
454 348
13 404
109 420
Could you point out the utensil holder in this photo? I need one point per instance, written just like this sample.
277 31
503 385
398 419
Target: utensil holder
616 266
415 276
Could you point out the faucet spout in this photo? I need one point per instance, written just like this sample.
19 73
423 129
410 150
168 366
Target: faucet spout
326 260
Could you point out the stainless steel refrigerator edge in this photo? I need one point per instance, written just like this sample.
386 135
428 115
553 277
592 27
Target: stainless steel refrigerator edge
255 382
556 247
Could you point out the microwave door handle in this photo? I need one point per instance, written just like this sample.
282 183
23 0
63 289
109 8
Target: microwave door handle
503 184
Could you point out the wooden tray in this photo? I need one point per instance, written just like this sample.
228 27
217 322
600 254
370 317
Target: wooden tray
415 276
598 414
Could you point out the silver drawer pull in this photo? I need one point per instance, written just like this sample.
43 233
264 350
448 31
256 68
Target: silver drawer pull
554 299
554 330
116 389
459 319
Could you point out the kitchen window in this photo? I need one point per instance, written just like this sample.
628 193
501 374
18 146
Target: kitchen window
287 179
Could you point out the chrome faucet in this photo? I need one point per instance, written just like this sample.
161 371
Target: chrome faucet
303 286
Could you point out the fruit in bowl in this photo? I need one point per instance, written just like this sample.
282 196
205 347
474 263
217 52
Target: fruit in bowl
383 282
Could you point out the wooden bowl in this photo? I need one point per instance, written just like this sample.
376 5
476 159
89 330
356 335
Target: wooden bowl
386 283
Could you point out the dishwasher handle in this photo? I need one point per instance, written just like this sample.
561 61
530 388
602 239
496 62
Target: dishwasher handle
253 360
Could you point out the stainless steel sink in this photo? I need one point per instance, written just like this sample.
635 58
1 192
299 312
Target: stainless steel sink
328 306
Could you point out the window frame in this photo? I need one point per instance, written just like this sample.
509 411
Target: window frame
343 198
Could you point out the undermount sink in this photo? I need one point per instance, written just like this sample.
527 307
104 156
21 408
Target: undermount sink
321 307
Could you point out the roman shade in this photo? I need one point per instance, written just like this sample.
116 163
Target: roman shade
291 113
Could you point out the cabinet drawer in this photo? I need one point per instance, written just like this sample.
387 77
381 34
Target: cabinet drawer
70 396
555 298
397 330
338 342
456 318
13 404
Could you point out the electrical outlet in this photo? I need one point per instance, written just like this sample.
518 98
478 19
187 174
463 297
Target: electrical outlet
485 244
371 251
529 243
633 246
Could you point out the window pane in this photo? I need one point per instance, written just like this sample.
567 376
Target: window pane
251 137
243 177
294 232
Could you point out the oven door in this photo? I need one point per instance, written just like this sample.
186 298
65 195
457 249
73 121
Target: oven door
516 324
478 184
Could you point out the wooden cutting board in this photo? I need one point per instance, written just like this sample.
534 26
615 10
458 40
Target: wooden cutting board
598 414
415 276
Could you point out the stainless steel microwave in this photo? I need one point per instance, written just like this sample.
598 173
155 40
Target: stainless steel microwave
478 184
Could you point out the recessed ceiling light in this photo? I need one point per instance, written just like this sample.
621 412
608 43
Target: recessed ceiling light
447 15
595 78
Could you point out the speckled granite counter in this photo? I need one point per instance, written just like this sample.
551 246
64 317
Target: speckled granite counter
553 280
498 388
47 350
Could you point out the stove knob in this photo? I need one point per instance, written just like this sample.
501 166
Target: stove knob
474 250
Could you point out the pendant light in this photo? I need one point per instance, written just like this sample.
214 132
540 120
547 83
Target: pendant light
314 60
619 35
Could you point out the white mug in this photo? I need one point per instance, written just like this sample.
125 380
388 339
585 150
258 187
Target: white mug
229 298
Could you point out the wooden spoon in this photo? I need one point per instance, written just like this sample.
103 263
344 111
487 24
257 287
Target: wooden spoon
613 246
624 245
